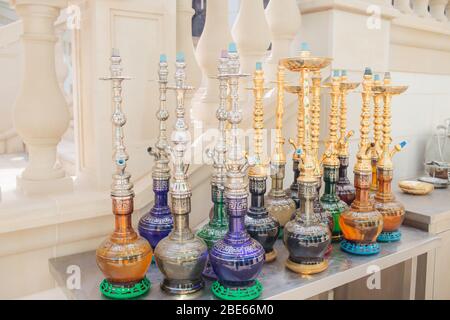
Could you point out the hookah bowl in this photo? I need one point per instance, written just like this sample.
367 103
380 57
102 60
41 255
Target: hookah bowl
344 188
361 223
393 211
305 237
123 257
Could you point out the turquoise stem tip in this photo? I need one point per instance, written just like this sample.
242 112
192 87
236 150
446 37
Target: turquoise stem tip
344 73
258 66
403 144
163 58
368 71
304 46
232 47
376 77
180 57
336 73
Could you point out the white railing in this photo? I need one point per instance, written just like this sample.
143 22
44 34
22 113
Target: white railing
438 10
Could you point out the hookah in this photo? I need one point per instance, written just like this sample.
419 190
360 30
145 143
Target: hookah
181 256
307 63
306 238
376 148
261 226
344 189
124 256
158 222
218 224
237 259
361 224
330 201
279 204
393 211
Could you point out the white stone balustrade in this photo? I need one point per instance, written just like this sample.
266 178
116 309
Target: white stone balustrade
284 20
437 9
215 37
41 115
447 11
184 41
420 8
403 6
251 34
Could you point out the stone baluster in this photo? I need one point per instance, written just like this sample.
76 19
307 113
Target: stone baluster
184 40
437 9
251 34
420 8
284 20
215 37
403 6
41 115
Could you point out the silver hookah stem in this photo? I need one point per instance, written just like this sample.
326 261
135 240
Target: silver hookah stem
121 185
236 163
161 168
180 189
219 153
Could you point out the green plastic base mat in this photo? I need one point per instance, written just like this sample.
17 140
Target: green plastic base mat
122 292
244 293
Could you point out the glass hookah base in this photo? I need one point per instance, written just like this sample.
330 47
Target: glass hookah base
389 236
237 293
182 287
208 272
362 249
307 268
121 292
271 256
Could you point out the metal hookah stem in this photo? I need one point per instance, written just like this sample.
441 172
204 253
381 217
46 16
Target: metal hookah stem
387 116
180 189
315 119
162 114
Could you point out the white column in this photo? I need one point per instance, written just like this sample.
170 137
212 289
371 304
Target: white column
215 37
437 9
251 34
185 43
420 8
403 6
284 20
41 115
447 11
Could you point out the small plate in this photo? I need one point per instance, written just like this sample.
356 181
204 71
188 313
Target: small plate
436 182
415 187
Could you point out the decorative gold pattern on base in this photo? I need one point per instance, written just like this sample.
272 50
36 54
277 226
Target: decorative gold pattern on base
307 269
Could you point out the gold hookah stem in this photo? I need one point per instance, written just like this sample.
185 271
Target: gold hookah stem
301 112
387 115
279 157
331 158
363 163
307 165
377 120
315 120
343 146
258 112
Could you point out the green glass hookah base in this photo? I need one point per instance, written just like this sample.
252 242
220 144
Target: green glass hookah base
281 233
247 293
122 293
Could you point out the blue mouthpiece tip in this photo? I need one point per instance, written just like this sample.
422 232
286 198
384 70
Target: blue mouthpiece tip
258 66
304 46
403 144
376 77
336 73
344 73
232 47
162 58
180 56
299 151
